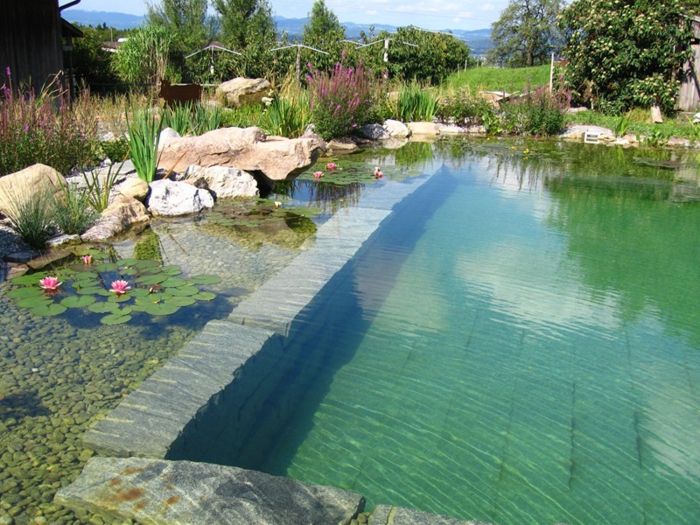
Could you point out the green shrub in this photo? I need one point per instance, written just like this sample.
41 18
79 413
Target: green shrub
144 135
73 213
342 100
243 117
115 150
32 217
537 113
43 129
462 108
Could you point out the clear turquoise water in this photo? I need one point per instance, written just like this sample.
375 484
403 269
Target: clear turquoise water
515 347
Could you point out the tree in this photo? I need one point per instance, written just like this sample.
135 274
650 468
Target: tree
247 27
185 21
143 58
625 53
526 34
324 32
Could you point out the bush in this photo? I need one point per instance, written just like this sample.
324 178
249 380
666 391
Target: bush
537 113
342 100
43 129
462 108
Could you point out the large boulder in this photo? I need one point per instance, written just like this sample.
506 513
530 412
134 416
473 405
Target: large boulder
240 91
342 145
374 131
133 187
243 148
423 128
396 129
169 198
120 216
16 188
224 182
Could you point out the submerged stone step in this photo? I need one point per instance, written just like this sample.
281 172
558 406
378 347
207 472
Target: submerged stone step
388 515
183 492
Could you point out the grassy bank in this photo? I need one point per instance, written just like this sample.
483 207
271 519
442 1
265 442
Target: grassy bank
498 79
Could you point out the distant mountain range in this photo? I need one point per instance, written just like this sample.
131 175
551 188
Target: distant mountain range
479 40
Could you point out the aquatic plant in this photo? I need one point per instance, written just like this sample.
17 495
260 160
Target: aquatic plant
378 173
49 283
144 135
142 286
318 174
331 166
87 259
99 187
31 213
73 212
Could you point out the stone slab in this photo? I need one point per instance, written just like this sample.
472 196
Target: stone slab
178 492
151 418
388 515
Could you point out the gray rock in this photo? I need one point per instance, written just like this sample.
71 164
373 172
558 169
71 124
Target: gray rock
167 135
167 492
374 131
17 188
396 129
240 91
62 240
171 199
133 187
224 182
342 145
388 515
122 214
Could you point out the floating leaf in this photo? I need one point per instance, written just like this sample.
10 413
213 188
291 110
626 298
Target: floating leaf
171 269
127 262
82 276
27 279
161 309
152 279
173 282
139 292
204 296
129 271
126 310
114 298
25 291
103 307
183 291
181 301
147 263
107 267
139 307
31 302
48 310
205 279
97 254
78 301
115 319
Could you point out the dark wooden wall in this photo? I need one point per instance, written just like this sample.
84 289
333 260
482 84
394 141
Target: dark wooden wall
30 41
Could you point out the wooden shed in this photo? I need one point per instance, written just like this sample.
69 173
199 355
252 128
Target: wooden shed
689 94
30 40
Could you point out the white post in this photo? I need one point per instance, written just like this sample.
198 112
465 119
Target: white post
551 75
386 50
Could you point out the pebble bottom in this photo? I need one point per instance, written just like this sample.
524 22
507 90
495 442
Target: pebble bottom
60 375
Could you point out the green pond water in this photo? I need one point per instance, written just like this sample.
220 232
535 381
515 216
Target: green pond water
519 345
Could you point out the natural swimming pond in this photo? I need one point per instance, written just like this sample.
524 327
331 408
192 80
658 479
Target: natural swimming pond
518 344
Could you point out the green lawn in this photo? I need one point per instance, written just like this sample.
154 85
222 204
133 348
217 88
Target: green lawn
498 79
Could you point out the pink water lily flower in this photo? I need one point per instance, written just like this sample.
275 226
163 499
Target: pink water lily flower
87 259
378 173
49 283
120 287
331 166
318 174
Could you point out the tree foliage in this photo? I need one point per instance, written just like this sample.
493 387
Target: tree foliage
625 53
324 32
92 65
526 34
143 58
247 27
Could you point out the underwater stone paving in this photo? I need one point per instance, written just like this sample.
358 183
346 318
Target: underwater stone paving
218 383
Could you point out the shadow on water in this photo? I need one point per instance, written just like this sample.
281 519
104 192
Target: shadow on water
281 419
21 405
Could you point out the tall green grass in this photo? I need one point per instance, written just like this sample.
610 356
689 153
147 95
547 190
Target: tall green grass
414 103
144 135
510 80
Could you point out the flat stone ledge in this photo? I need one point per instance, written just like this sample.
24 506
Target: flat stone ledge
159 492
388 515
151 418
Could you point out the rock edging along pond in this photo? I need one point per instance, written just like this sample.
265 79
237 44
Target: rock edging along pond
216 387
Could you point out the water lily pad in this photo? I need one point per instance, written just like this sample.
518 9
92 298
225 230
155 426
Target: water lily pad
27 279
181 301
34 301
90 290
205 279
48 310
114 298
147 263
106 267
97 254
171 269
127 262
139 307
104 293
25 291
78 301
152 279
103 307
174 282
161 309
83 276
129 271
139 292
115 319
204 296
183 291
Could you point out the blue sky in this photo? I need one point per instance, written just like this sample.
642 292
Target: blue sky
428 14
